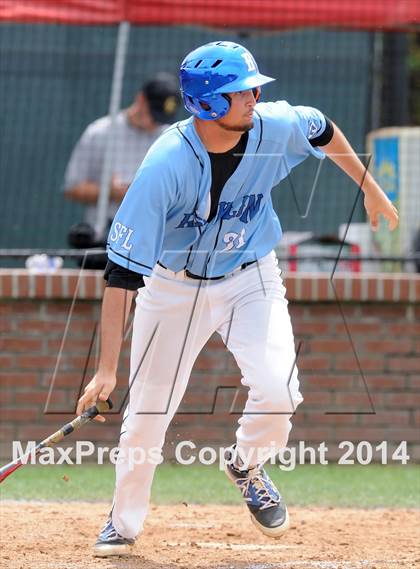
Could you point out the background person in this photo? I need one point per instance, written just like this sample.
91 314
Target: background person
136 128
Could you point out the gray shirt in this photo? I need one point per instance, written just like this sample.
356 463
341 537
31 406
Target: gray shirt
130 145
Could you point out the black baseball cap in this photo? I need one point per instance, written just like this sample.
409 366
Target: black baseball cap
162 94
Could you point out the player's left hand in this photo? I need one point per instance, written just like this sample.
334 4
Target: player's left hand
376 204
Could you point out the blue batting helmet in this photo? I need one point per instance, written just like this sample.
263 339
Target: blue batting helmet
211 71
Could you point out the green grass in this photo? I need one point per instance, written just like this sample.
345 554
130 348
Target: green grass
332 485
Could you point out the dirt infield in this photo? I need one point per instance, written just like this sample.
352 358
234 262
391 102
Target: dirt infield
59 536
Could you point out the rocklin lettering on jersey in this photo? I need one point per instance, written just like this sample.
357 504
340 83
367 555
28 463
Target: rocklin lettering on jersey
248 209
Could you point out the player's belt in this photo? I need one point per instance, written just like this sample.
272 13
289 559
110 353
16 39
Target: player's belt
197 277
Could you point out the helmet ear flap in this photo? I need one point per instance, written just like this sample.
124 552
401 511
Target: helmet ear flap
228 99
207 108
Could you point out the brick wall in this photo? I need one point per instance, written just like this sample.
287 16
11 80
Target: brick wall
360 374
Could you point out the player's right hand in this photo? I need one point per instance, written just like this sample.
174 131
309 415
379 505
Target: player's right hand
100 387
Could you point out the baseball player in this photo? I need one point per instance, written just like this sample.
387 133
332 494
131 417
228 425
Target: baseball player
195 233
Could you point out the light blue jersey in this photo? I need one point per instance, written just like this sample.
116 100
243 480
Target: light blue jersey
163 216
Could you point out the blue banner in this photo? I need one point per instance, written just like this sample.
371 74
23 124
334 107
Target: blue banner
385 151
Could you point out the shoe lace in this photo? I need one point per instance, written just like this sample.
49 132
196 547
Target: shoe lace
108 531
260 481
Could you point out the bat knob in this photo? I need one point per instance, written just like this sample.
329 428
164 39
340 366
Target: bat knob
104 406
100 407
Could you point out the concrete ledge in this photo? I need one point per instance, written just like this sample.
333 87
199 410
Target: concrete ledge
301 287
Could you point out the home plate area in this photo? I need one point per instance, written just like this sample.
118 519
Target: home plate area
41 535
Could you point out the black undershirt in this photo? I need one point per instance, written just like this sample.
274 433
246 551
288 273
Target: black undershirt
325 137
223 165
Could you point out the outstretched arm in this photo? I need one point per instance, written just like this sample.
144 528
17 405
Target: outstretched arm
115 310
376 202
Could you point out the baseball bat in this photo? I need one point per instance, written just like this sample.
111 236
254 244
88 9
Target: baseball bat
79 421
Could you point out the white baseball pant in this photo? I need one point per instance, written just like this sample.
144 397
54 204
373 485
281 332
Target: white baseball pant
174 318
